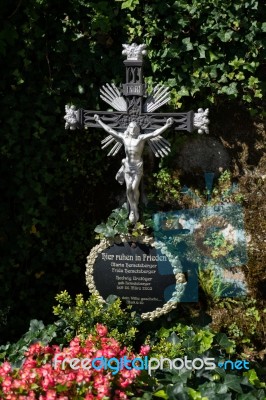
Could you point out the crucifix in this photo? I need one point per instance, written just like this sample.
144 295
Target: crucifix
134 122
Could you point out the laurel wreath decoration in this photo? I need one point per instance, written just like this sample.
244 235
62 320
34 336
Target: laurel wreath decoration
148 240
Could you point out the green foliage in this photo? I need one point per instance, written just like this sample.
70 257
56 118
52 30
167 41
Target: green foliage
219 244
226 190
207 49
167 187
37 333
53 188
52 178
193 384
169 193
212 285
181 340
76 318
243 321
130 4
211 385
253 378
79 317
118 224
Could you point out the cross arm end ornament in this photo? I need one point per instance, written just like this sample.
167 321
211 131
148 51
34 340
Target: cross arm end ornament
71 117
201 121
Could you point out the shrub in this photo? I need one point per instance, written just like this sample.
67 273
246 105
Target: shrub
43 374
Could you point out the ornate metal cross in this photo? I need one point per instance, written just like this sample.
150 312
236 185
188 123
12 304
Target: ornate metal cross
134 122
132 104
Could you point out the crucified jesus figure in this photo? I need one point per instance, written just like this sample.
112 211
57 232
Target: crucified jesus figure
131 170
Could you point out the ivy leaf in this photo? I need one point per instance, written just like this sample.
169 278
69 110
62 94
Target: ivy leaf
223 341
233 382
173 338
263 27
247 396
230 89
36 325
131 4
212 56
183 91
202 51
187 43
221 388
253 378
161 394
196 395
100 228
110 232
225 36
177 391
111 299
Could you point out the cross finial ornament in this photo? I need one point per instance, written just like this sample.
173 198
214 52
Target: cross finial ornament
134 51
134 122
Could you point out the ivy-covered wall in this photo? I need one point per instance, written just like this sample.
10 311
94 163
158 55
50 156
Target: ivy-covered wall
56 185
51 179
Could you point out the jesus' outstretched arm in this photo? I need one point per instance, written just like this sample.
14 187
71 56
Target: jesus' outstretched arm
108 129
157 132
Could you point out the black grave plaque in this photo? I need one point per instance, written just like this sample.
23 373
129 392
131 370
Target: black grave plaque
138 273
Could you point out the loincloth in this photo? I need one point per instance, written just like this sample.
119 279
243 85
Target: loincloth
131 169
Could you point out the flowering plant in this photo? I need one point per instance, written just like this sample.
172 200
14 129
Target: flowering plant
41 378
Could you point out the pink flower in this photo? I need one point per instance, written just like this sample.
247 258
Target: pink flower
109 353
120 395
11 397
144 350
34 349
29 363
46 370
16 383
48 382
89 396
38 372
101 330
103 391
75 342
80 375
31 396
7 382
6 367
51 395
